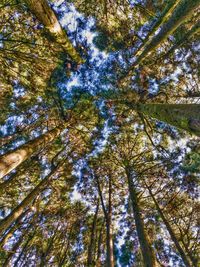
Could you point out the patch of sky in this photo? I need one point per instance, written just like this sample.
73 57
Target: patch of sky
19 91
154 87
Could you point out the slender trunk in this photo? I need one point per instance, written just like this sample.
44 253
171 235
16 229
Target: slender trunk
182 12
13 159
183 116
46 15
98 260
108 219
149 257
6 222
91 248
163 17
171 232
195 29
109 234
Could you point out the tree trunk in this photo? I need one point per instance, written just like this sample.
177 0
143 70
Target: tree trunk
13 159
91 248
170 231
98 259
6 222
45 15
182 12
183 116
108 218
148 255
163 17
109 235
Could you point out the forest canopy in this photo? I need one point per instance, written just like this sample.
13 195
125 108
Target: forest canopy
99 133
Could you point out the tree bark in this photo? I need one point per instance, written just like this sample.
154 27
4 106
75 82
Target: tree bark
182 12
170 231
13 159
163 17
108 220
91 248
98 259
148 255
45 14
109 234
183 116
6 222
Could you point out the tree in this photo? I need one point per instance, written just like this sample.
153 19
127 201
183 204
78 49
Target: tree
92 173
47 17
11 160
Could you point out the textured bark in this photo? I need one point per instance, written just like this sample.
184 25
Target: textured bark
171 232
148 255
183 116
182 12
109 234
98 259
163 17
108 219
45 14
13 159
6 222
91 248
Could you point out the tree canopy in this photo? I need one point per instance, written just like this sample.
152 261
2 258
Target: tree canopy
99 133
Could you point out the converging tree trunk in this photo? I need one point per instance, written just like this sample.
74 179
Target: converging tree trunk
170 231
13 159
45 14
148 255
183 116
6 222
91 248
161 19
108 219
183 11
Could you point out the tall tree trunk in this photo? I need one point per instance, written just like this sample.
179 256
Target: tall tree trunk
148 255
183 116
91 248
13 159
108 219
109 234
98 259
6 222
170 230
162 18
45 14
182 12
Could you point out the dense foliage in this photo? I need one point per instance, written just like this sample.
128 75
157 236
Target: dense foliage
99 133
